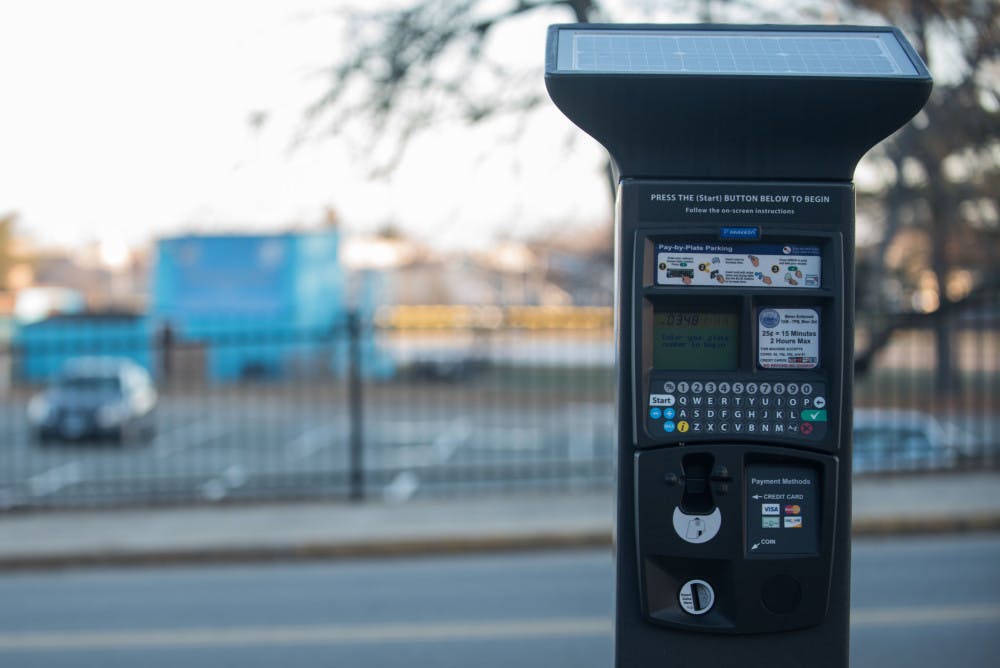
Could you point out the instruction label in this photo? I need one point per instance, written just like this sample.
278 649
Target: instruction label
782 510
788 338
757 265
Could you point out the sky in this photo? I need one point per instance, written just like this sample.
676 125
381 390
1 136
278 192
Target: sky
123 121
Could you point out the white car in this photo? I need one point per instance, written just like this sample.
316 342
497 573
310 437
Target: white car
95 398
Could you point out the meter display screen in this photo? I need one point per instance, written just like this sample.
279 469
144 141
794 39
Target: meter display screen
690 340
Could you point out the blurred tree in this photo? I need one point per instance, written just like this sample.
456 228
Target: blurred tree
942 175
422 63
7 258
425 64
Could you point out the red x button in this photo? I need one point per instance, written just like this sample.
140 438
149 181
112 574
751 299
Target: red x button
806 428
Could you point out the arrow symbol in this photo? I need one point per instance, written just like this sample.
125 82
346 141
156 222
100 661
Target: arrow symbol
755 496
755 546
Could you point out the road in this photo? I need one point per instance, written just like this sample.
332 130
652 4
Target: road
917 602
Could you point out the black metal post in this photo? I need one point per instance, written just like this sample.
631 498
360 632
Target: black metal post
356 479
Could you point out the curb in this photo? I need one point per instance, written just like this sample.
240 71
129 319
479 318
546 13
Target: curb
908 526
444 545
317 550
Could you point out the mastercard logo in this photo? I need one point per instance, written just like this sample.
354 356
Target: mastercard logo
792 510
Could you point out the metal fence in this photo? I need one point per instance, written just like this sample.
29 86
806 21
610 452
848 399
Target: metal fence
445 402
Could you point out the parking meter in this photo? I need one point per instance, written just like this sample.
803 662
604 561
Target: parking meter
734 149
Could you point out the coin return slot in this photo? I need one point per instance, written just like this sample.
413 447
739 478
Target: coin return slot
696 597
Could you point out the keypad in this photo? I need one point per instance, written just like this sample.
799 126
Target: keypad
689 408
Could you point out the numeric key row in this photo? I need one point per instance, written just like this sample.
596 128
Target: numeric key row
737 387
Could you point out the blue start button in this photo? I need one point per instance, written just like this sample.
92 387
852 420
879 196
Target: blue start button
739 233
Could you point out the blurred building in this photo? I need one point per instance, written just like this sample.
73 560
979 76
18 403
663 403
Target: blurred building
248 306
39 302
105 283
43 346
222 308
68 303
508 273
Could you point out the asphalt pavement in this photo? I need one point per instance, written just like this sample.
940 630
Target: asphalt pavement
954 502
916 602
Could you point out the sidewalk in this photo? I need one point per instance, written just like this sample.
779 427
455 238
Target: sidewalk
952 502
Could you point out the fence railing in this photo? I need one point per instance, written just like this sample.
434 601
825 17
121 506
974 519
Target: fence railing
402 406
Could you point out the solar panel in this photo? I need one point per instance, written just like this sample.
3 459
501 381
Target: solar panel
740 52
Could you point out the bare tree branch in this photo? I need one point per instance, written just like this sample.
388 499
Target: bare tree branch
426 64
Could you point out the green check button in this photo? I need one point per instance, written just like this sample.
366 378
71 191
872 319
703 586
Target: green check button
814 416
